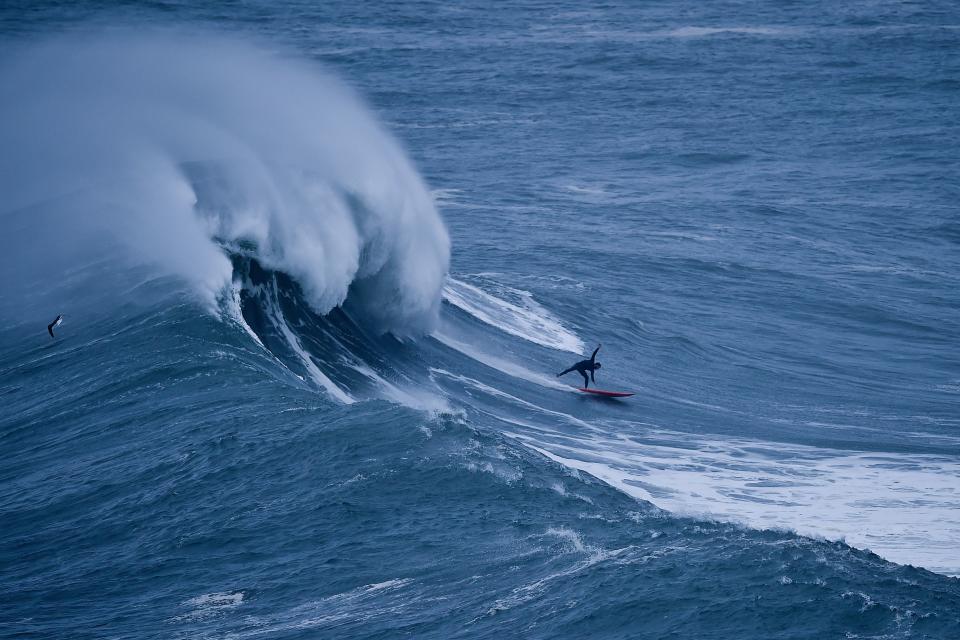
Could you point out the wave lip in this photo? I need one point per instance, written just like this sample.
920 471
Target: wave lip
222 146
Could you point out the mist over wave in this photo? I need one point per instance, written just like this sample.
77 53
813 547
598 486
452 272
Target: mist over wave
185 150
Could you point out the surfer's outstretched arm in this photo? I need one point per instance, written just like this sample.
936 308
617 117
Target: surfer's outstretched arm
592 378
594 356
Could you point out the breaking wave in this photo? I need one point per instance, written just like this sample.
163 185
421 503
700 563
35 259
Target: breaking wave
188 150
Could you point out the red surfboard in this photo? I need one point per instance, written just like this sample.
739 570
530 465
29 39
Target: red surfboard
605 394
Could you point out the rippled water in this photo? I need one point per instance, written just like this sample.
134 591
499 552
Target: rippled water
753 208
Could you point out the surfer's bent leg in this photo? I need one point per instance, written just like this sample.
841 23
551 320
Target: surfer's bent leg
566 371
586 380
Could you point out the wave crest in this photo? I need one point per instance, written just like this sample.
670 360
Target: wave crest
191 148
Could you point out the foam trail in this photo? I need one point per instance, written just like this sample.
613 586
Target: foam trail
890 504
500 364
476 384
529 321
234 310
318 376
220 147
232 307
414 399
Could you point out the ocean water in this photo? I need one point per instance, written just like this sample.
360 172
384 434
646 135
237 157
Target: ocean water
319 264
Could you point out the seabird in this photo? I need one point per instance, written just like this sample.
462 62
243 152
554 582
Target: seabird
55 323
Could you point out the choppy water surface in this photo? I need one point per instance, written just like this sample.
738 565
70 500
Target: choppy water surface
319 264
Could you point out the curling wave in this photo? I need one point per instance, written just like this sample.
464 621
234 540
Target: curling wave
189 150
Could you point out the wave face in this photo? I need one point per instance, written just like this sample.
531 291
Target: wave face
185 149
277 409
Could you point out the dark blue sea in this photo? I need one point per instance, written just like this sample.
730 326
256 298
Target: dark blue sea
319 264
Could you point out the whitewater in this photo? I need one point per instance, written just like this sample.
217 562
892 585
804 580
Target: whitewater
319 266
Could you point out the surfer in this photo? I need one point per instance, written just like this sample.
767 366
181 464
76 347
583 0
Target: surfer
584 366
55 323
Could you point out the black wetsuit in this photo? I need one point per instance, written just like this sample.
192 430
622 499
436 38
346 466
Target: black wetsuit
583 367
